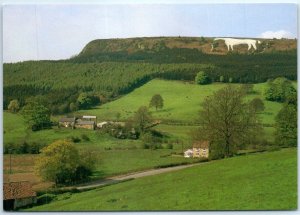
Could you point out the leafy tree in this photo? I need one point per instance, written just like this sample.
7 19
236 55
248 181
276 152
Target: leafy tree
202 78
157 101
227 121
142 118
36 116
86 165
257 105
14 106
230 80
286 124
279 90
58 162
62 163
84 101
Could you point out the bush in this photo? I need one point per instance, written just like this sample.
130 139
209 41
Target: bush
202 78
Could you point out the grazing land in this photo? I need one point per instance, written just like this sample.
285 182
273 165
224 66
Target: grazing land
115 80
253 182
117 156
181 101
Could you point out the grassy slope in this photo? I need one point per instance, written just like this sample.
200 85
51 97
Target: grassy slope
181 101
266 181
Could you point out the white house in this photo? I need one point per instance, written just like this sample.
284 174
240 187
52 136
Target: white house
188 153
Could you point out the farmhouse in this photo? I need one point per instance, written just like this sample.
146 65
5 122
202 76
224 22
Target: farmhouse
85 124
17 194
67 122
88 122
201 149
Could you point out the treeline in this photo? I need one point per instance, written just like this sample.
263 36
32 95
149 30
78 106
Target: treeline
57 84
243 68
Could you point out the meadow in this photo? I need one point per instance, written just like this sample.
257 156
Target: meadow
117 156
182 101
262 181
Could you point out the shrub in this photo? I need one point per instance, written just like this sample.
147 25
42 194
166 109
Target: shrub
202 78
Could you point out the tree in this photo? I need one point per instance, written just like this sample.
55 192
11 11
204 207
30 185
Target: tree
14 106
257 105
157 101
286 124
36 116
62 163
227 121
202 78
84 101
58 162
142 118
279 90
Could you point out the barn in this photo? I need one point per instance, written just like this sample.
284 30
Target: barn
18 194
67 122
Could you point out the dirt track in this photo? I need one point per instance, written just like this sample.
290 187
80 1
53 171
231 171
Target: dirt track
135 175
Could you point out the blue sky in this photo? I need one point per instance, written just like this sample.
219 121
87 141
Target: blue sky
36 32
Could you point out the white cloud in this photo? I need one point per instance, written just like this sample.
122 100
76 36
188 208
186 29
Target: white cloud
276 34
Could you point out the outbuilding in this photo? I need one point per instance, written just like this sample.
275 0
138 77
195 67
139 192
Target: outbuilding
18 194
67 122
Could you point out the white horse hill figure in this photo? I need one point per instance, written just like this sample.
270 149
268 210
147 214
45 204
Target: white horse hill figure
230 42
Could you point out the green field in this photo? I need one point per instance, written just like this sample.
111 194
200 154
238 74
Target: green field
116 156
265 181
181 101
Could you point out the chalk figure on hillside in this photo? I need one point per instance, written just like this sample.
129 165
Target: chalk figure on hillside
230 42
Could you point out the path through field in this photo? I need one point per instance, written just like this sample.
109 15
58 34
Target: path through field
120 178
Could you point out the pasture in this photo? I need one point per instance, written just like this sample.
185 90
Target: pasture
182 101
262 181
117 156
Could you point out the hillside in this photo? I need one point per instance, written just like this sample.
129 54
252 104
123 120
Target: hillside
181 101
252 182
114 67
156 44
181 105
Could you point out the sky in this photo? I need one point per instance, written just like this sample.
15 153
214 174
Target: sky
52 32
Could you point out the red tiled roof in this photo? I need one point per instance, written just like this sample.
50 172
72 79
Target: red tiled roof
201 144
17 190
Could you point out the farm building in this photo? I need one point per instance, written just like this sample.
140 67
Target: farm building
67 122
90 118
17 194
188 153
201 149
85 124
